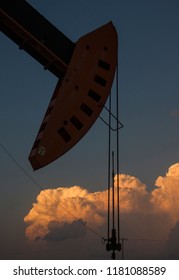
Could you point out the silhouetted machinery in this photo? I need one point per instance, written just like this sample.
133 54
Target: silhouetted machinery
85 71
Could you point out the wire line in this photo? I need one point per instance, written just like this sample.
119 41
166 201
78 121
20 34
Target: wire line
109 164
39 186
117 148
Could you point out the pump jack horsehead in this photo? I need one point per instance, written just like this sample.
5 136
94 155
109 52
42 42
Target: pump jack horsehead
85 71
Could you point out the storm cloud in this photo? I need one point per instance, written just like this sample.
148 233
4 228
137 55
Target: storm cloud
148 219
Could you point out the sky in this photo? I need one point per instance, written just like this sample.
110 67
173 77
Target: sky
149 154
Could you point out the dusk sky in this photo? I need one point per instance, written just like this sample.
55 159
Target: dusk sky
149 141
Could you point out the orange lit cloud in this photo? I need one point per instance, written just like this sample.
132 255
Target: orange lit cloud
62 213
166 197
64 205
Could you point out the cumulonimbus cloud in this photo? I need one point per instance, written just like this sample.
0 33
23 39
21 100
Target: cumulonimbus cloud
63 213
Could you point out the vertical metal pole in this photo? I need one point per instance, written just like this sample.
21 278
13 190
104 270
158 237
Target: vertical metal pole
113 191
117 145
109 165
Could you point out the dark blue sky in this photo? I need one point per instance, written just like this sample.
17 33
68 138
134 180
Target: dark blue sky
149 102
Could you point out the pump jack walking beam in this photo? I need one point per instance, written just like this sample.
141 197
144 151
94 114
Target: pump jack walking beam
36 35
